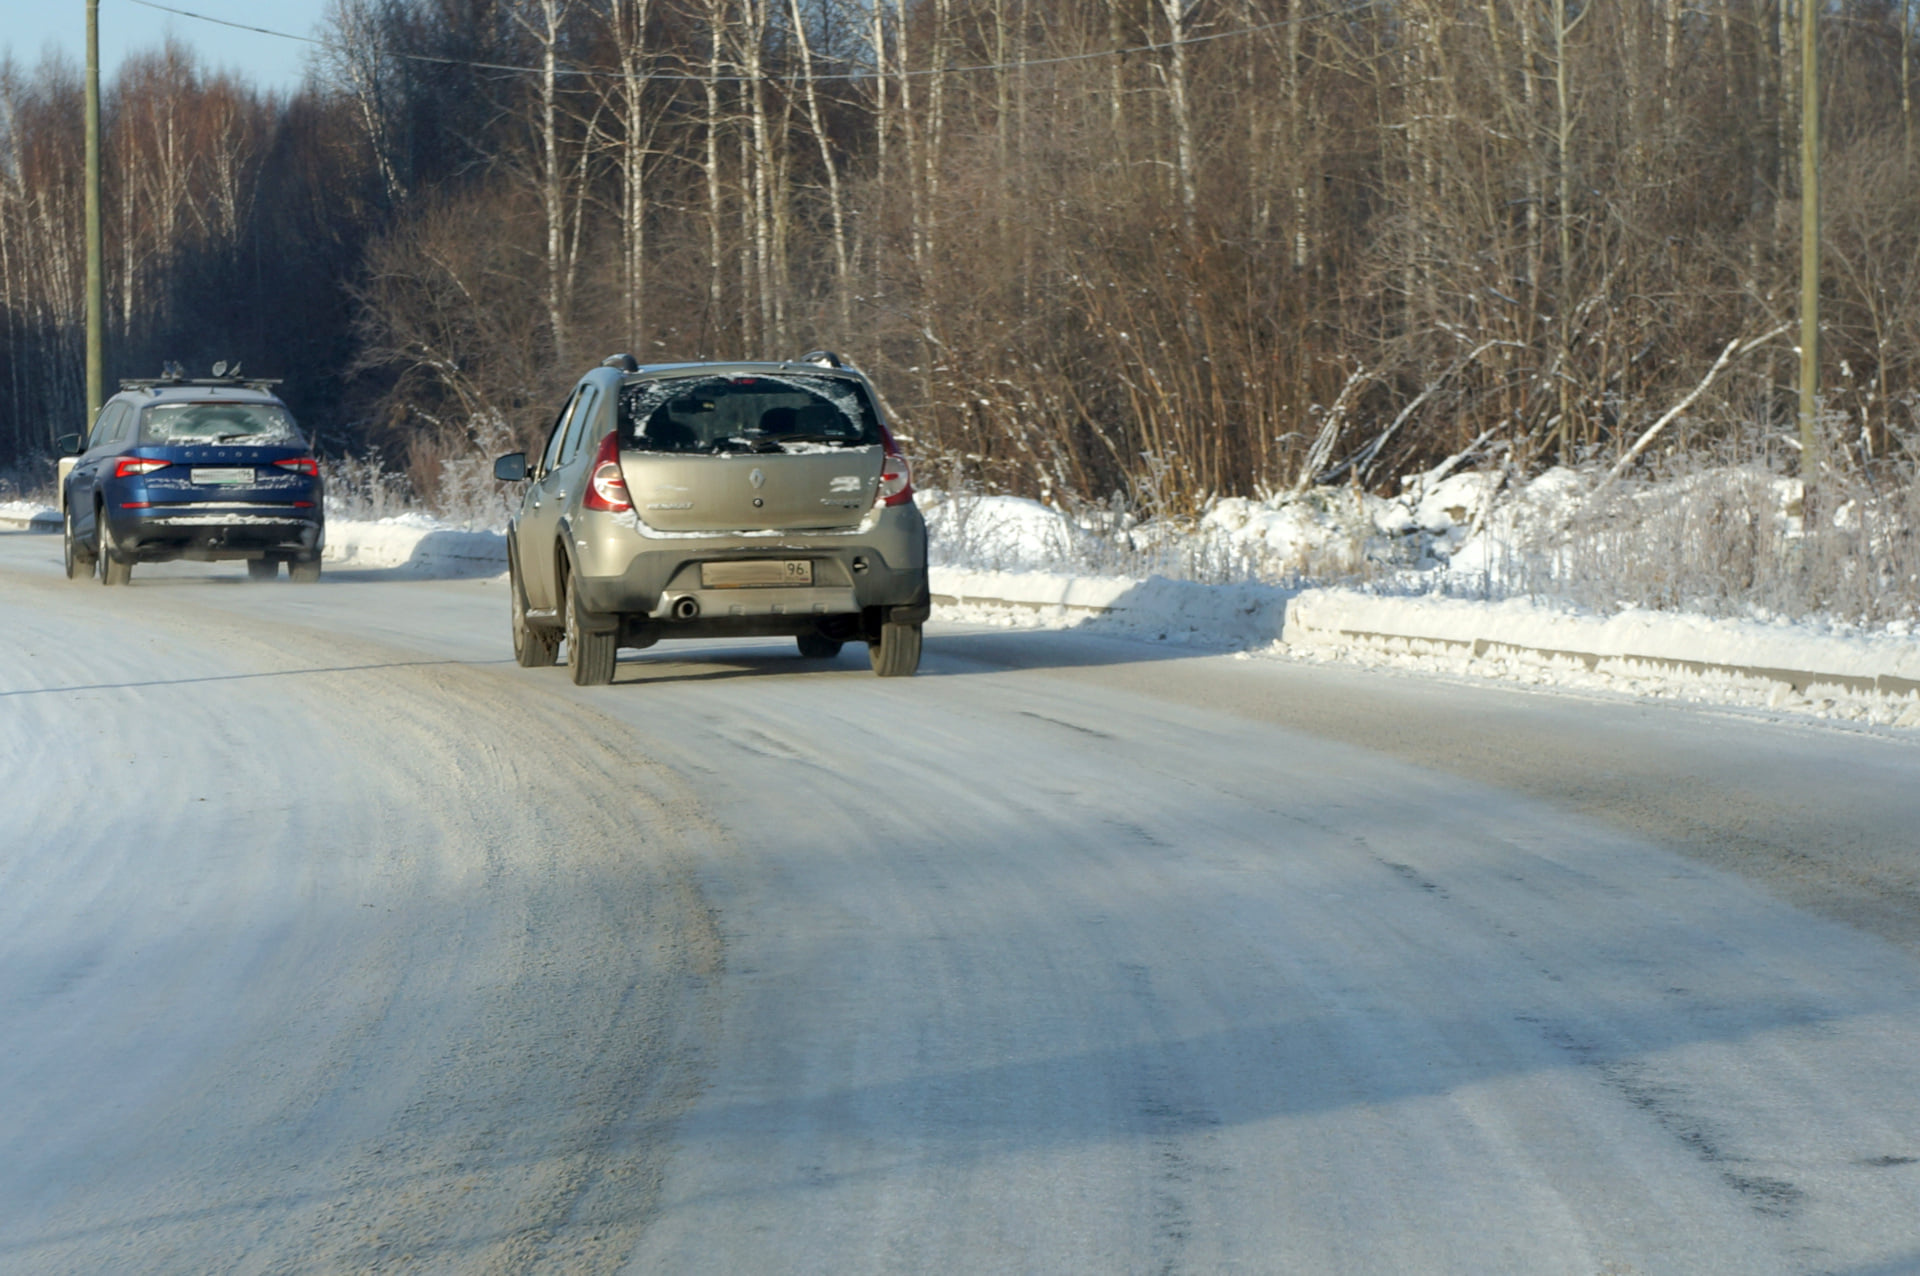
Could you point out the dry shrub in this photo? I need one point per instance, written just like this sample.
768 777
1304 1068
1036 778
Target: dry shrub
1730 541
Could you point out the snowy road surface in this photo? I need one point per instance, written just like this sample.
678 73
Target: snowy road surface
330 940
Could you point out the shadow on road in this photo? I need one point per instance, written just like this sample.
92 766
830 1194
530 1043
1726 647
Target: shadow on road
945 655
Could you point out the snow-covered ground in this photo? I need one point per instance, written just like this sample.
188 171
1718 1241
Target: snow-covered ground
1016 563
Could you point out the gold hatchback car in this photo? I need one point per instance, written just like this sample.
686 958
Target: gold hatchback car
714 500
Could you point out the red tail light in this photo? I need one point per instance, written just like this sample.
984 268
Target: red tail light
896 476
128 466
606 485
301 465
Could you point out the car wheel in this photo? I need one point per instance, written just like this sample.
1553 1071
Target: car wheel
896 654
532 648
817 646
79 557
304 572
113 570
590 647
263 568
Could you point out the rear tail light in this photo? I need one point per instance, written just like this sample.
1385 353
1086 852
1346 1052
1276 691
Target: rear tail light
128 466
896 476
606 485
301 465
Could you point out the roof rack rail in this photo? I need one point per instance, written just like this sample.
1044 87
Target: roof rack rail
224 374
155 383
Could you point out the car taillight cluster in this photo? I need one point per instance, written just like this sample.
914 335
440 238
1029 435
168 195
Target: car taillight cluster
896 476
301 465
606 485
128 466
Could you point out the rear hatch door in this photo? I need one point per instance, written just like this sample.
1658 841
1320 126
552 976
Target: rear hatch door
213 474
793 487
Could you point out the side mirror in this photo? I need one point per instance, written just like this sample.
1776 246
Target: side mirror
511 468
69 445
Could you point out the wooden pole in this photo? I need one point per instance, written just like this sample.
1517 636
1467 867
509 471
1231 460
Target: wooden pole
1810 459
96 271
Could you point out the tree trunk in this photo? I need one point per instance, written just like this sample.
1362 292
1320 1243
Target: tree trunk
842 267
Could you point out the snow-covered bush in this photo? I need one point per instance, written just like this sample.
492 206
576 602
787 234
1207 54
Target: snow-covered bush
363 489
463 493
1728 541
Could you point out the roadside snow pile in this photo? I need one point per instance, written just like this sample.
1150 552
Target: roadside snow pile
999 533
21 515
1289 538
1332 532
417 543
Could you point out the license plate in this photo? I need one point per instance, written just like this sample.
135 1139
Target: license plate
757 572
207 477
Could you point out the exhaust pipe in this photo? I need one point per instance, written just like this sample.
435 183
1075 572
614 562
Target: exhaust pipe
686 607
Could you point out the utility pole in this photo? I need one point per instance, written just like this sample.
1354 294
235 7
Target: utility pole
1810 459
96 272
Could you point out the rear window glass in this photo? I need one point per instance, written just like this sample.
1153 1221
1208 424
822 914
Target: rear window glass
218 423
746 414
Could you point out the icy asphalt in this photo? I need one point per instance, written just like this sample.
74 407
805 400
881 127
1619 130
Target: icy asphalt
330 940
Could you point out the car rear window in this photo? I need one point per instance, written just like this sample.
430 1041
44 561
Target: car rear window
746 414
218 423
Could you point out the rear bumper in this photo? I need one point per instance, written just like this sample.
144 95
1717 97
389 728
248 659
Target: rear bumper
160 533
645 581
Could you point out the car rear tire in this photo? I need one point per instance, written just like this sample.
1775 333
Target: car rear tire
591 645
304 573
79 557
113 569
817 646
263 568
532 648
896 653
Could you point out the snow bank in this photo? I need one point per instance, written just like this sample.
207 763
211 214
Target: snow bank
415 543
29 516
1002 533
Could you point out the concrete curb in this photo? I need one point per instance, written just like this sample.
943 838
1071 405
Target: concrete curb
1622 646
1626 664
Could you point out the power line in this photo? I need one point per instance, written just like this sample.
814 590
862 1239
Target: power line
867 73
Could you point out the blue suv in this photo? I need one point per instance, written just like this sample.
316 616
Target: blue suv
206 469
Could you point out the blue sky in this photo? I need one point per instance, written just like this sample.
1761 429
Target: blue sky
27 27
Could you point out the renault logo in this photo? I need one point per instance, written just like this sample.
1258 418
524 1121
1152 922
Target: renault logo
757 479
